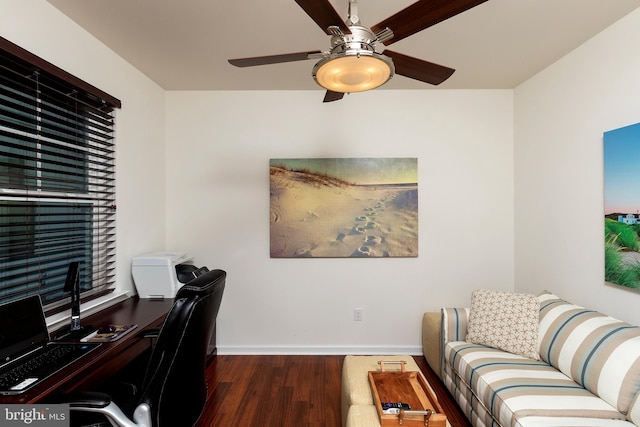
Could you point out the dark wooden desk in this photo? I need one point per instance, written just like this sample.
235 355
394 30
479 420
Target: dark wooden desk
109 358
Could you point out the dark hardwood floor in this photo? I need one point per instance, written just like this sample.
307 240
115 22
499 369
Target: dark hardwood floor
288 391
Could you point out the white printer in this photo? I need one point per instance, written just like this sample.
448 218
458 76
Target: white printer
155 274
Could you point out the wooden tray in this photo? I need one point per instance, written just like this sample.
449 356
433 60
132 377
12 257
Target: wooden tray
406 387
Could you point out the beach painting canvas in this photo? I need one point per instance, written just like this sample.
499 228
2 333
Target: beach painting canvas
344 207
622 206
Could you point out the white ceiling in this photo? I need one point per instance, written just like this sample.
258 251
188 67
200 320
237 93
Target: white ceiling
185 44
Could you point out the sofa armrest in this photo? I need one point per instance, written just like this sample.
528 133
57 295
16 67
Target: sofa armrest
453 327
454 324
431 340
438 328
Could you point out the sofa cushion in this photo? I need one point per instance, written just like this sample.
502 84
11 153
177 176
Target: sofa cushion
471 407
512 386
597 351
634 410
570 422
505 320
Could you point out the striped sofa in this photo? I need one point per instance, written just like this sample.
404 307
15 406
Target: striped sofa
588 373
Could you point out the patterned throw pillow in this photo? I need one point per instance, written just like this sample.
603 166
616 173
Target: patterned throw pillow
505 320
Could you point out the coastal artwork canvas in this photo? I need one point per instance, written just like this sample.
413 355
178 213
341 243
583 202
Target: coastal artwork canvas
344 207
622 206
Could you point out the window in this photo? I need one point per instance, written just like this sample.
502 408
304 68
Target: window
57 183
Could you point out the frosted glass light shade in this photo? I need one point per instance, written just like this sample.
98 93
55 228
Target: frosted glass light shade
353 72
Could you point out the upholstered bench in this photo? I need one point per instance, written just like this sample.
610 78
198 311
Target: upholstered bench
358 409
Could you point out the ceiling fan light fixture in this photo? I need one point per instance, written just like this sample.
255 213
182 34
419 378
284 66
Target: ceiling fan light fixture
353 71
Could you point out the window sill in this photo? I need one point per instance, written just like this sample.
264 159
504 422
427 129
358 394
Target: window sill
61 319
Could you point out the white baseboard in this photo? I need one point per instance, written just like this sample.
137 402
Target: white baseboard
319 350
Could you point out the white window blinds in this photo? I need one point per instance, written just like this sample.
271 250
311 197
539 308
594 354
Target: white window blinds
57 181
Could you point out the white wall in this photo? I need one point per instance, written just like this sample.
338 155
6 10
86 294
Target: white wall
560 117
216 205
479 191
40 28
218 150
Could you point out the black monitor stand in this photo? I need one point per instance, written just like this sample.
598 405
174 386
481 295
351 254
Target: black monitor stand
72 284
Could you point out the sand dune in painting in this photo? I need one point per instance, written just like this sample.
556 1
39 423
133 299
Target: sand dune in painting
317 216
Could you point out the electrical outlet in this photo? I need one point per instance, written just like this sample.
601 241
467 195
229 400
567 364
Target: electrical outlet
357 314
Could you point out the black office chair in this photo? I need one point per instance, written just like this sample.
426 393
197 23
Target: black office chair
174 390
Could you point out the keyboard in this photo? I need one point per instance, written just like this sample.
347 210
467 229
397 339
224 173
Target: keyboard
36 368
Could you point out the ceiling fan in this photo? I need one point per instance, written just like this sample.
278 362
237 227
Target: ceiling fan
355 62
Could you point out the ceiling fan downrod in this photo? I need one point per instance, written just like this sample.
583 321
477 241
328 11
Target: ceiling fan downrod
352 14
360 39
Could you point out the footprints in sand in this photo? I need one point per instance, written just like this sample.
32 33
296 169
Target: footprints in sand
372 240
361 229
368 226
276 214
363 251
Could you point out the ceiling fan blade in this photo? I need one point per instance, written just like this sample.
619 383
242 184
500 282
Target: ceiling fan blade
418 69
323 14
331 96
420 15
275 59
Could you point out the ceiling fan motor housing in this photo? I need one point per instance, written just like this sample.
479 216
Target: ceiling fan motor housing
361 38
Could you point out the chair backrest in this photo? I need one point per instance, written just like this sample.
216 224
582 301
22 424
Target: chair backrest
175 386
